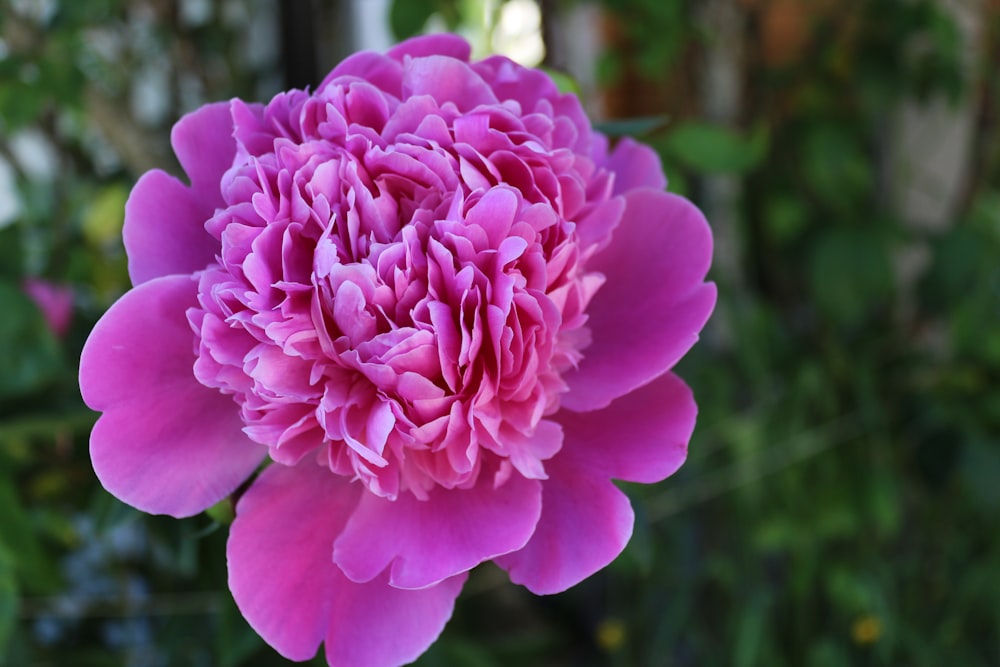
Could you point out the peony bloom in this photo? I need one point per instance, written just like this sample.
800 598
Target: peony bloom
437 305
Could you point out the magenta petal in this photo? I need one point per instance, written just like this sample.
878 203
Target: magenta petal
280 572
165 443
451 532
375 68
653 304
442 44
285 584
164 229
446 80
641 437
635 166
376 625
586 522
204 144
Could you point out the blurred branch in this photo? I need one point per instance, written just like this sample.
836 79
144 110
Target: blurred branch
33 426
797 449
135 147
103 606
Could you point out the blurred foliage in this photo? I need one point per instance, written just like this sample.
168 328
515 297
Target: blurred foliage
837 505
836 508
83 579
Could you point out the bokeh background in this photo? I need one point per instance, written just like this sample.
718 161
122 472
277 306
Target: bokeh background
840 501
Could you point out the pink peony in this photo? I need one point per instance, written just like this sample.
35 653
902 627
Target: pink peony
437 305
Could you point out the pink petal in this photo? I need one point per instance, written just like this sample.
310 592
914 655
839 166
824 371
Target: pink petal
586 522
280 571
635 165
286 585
427 541
376 625
378 70
641 437
166 444
204 144
164 229
446 80
443 44
653 304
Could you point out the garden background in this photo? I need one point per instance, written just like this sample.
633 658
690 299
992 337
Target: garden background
839 503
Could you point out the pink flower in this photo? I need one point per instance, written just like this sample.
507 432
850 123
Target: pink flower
55 302
438 305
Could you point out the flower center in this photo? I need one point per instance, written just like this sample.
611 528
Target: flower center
395 304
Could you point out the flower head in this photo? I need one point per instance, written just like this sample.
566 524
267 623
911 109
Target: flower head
441 308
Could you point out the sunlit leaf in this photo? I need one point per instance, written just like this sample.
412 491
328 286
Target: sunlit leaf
102 221
711 149
631 127
408 17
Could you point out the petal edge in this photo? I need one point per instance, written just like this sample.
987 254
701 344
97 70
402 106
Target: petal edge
165 444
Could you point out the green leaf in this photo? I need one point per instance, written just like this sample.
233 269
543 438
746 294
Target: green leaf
235 640
786 217
566 83
408 17
27 556
639 555
631 127
714 149
11 253
980 468
747 647
849 275
836 165
222 512
961 258
9 598
103 219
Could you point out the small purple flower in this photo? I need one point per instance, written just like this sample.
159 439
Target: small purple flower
439 307
54 301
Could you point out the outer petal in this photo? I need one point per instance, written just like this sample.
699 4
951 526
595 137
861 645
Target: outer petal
285 584
164 229
641 437
635 166
379 70
653 304
204 144
586 522
427 541
446 80
442 44
165 444
381 626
